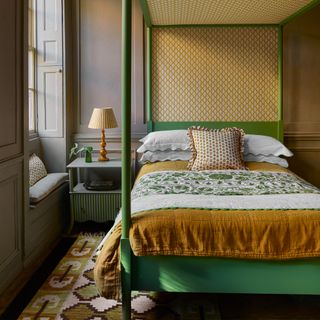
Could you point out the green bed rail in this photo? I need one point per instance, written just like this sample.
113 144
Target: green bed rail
226 275
273 129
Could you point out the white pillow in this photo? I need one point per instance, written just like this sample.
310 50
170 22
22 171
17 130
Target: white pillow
165 140
169 155
264 145
173 155
178 140
262 158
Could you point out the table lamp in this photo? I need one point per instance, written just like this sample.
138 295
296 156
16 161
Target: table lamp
103 118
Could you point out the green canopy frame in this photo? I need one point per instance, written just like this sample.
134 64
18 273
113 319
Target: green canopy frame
181 274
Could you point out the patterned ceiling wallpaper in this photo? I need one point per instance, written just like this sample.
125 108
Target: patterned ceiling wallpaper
215 74
172 12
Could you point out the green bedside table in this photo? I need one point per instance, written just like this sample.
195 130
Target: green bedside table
98 206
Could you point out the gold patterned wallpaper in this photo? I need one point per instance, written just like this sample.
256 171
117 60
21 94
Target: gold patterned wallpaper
215 74
172 12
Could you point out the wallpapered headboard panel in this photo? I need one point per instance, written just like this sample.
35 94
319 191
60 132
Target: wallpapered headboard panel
215 74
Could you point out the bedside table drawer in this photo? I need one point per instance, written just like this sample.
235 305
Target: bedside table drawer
98 207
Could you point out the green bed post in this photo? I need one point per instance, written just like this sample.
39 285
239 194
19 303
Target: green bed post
126 157
149 80
280 81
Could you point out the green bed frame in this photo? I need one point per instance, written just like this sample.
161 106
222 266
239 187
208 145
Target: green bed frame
199 274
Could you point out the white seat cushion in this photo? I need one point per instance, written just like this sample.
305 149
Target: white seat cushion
46 185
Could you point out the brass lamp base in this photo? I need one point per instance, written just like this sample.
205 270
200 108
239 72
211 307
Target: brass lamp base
103 151
103 158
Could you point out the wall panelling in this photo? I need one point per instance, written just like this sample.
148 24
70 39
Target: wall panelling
301 98
11 219
10 80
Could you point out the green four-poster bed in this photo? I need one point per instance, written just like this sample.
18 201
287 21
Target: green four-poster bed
193 273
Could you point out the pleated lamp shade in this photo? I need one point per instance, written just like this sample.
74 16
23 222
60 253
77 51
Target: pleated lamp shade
103 118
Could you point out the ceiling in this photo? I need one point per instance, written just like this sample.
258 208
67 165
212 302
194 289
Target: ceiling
196 12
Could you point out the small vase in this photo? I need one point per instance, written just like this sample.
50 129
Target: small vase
88 157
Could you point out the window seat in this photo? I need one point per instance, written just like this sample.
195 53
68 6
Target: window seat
48 214
45 186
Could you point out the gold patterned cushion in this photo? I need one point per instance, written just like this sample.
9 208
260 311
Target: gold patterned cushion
37 169
216 149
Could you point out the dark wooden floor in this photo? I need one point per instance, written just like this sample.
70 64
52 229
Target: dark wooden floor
15 308
269 307
29 290
232 306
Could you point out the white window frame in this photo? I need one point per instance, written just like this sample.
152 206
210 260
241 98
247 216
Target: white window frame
32 65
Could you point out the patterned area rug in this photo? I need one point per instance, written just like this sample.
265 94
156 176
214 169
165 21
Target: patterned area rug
69 293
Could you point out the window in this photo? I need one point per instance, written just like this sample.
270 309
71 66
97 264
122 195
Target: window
45 68
32 67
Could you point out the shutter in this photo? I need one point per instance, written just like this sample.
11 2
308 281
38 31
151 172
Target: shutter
50 66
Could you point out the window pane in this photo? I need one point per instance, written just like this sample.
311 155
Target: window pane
31 62
31 111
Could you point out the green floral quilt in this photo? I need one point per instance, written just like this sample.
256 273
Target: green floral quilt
221 182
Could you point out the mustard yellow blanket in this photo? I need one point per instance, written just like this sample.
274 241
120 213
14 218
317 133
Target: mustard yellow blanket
246 234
